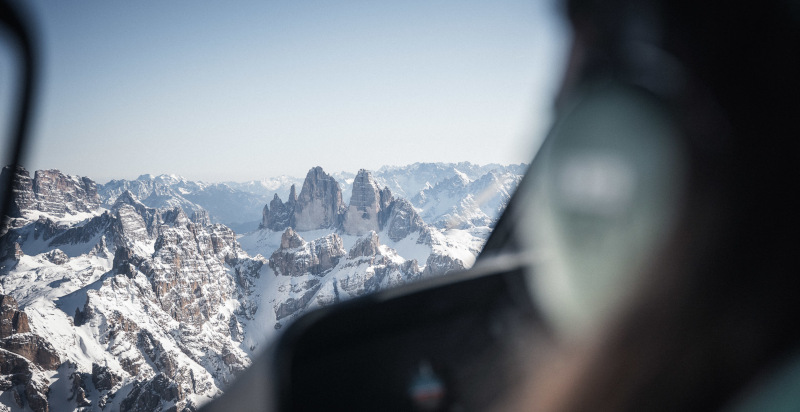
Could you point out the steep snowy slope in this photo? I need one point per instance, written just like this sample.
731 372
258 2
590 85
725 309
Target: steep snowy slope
408 181
148 302
377 240
458 202
118 305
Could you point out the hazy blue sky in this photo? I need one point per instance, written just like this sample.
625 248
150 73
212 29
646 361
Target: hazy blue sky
222 91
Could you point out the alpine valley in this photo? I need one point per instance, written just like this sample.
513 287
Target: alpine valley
154 294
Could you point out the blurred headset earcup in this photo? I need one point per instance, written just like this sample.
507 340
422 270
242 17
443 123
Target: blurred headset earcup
604 196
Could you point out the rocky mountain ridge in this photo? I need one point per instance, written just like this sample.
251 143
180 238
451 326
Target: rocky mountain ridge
51 192
157 308
239 205
225 204
140 308
460 202
413 249
320 206
23 357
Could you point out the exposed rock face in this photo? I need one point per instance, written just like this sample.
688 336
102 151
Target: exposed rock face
33 348
11 320
295 306
181 264
183 285
155 308
366 246
296 257
362 215
385 200
442 264
377 267
166 300
328 250
16 336
57 193
24 198
134 222
94 228
201 217
23 355
56 256
402 220
291 240
78 390
18 253
45 229
372 209
277 215
103 378
25 380
156 192
52 192
155 394
368 267
319 204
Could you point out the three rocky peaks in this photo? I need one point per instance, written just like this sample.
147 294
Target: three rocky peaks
320 206
124 299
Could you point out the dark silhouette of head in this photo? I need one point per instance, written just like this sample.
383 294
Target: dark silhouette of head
717 307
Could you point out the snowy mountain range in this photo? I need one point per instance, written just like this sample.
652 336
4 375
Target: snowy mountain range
226 204
238 205
133 296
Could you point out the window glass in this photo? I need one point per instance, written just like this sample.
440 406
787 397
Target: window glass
202 174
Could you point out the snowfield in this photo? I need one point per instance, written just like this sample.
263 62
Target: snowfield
139 301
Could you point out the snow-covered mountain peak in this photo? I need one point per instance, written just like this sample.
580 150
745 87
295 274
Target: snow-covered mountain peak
461 176
145 303
127 198
144 308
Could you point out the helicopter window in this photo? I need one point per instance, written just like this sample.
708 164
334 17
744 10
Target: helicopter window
225 170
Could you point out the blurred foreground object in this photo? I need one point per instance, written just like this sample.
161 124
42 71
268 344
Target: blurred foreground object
647 262
20 32
664 207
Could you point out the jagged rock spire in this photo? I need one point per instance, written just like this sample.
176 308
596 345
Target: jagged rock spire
319 204
368 205
362 213
277 215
